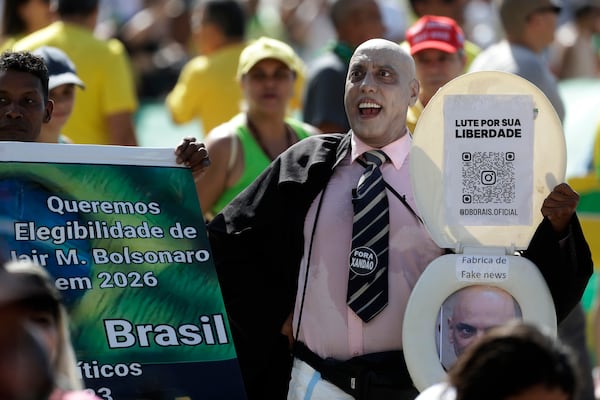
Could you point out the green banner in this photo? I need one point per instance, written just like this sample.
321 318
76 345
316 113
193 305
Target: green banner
121 232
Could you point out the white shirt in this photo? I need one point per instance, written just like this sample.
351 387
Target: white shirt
439 391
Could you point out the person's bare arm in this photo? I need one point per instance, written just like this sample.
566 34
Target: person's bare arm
210 182
287 330
214 182
122 131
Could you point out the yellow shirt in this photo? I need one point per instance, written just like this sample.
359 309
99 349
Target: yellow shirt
104 68
412 115
207 89
596 155
9 41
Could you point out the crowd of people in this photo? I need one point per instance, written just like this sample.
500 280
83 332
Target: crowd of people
288 105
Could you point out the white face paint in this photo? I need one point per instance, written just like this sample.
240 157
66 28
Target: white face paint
380 86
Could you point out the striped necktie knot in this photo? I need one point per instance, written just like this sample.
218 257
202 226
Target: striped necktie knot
377 157
373 160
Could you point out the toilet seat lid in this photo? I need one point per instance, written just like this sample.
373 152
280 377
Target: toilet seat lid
486 151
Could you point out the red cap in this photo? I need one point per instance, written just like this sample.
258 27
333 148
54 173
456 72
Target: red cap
434 32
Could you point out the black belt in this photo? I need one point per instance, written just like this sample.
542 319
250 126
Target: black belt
372 376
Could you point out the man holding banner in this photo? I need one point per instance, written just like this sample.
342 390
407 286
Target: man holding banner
121 232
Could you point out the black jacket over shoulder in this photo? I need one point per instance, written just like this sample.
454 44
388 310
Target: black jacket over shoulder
257 243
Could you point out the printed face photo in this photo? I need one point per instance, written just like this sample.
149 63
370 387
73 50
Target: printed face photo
468 314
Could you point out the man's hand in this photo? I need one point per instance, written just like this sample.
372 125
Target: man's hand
560 206
287 330
193 154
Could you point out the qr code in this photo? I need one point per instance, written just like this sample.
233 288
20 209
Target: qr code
488 177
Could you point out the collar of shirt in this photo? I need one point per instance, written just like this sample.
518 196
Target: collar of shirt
397 151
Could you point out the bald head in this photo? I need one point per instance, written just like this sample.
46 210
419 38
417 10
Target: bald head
380 86
389 48
477 309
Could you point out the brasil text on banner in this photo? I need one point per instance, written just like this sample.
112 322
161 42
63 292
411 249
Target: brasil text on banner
121 232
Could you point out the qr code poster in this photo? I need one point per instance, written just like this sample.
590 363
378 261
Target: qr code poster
488 159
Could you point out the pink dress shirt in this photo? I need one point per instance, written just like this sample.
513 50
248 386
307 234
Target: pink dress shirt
328 326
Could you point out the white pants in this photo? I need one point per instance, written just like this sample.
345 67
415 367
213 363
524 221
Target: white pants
307 384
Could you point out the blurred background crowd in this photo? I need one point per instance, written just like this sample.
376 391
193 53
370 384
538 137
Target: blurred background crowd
165 43
160 38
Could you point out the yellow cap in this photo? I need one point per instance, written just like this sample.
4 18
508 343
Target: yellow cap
264 48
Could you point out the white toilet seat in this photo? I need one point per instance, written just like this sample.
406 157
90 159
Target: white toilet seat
490 237
525 283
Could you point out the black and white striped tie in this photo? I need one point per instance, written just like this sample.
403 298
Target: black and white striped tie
368 261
